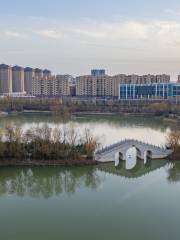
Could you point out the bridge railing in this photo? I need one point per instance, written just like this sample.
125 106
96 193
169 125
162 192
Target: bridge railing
118 144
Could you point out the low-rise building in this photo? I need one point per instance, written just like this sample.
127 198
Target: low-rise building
176 91
152 91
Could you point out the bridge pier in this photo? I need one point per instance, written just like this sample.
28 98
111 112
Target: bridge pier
147 156
116 157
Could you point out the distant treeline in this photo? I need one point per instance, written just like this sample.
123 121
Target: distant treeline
69 106
45 143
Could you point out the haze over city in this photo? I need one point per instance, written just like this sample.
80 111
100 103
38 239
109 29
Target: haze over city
74 36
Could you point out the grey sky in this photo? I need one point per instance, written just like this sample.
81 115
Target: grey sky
75 36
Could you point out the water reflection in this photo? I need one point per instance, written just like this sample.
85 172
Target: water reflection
46 182
174 172
115 121
139 170
53 181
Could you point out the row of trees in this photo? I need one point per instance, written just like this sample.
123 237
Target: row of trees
45 143
68 106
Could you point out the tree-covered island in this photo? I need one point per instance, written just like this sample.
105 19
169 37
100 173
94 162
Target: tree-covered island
43 145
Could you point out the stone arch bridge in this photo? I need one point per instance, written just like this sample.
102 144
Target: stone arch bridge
119 150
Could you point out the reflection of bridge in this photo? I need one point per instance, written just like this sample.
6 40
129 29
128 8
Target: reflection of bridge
120 149
140 170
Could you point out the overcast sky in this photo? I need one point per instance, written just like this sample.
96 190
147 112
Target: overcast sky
73 36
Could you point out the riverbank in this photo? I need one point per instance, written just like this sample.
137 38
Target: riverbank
43 163
84 114
102 113
68 107
172 120
175 156
79 114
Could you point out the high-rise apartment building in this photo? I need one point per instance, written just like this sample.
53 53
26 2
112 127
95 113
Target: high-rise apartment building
29 74
46 73
38 72
91 86
179 79
18 79
107 86
43 86
52 86
163 78
40 82
63 84
144 79
5 79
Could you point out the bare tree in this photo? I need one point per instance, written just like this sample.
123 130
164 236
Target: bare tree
173 140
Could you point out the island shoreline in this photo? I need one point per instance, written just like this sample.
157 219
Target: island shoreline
44 163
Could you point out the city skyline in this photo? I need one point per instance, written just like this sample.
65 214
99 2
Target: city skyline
91 72
68 37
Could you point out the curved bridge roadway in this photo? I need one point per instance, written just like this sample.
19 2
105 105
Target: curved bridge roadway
109 154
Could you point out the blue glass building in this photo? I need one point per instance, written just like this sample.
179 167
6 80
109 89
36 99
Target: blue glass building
176 90
98 72
154 91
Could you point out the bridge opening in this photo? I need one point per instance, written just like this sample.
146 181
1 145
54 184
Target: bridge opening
118 158
147 156
138 151
121 157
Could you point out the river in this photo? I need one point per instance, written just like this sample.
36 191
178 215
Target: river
96 202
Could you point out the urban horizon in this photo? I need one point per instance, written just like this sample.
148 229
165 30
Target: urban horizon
89 72
24 82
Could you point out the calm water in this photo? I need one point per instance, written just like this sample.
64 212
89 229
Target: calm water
101 202
107 129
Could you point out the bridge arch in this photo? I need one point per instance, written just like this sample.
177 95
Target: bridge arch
121 156
138 151
118 157
147 156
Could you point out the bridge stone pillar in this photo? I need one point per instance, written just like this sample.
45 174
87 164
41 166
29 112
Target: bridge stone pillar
145 157
116 158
